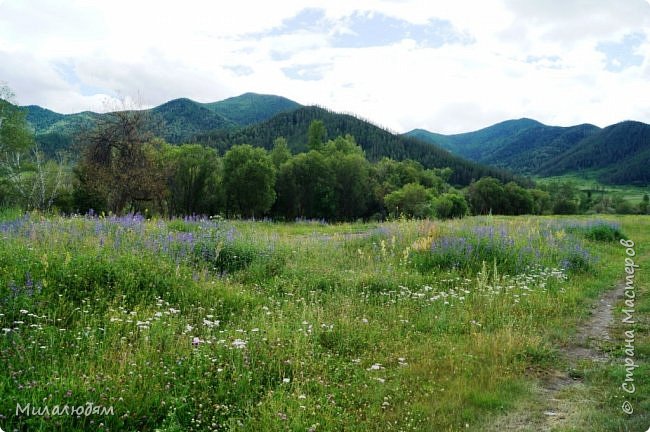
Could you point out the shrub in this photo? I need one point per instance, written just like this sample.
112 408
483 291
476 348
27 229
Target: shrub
599 231
449 206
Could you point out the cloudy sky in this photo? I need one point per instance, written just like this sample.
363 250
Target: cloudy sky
446 66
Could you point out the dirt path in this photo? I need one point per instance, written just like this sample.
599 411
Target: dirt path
550 410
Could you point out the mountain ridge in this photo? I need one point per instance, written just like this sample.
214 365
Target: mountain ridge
615 153
524 146
182 118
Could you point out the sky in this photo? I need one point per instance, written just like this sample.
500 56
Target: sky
445 66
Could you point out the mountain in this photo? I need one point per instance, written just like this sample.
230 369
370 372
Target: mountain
54 131
376 142
251 108
475 145
182 119
522 145
42 119
259 119
618 154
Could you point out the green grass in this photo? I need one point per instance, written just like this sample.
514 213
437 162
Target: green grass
588 181
250 326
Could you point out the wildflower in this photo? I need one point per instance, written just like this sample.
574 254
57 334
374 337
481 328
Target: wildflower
209 323
286 380
375 366
239 343
196 341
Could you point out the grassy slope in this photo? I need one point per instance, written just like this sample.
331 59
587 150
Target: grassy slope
339 325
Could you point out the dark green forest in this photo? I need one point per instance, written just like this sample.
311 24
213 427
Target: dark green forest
376 142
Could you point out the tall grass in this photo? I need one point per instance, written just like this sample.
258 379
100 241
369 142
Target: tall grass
200 325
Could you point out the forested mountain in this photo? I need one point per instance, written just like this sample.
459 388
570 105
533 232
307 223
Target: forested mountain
477 144
42 119
54 131
180 119
250 108
521 145
376 142
619 153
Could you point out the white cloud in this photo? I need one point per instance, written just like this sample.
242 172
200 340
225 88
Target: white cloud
519 58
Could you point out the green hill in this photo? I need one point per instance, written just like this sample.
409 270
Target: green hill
42 119
184 118
521 145
251 108
376 142
181 119
618 154
54 131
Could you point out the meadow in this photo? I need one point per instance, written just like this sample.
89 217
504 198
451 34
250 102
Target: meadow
202 324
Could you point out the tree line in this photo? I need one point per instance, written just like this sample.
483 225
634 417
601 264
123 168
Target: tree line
124 167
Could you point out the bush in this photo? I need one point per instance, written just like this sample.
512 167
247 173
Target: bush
231 257
601 231
448 206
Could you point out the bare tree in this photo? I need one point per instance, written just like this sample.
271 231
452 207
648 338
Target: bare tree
118 163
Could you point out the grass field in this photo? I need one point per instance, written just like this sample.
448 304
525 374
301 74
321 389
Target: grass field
209 325
589 181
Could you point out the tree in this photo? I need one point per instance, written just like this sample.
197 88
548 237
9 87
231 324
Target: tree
316 135
306 187
193 178
15 135
412 200
487 196
450 205
280 152
541 201
518 200
15 141
350 171
644 204
248 180
118 167
565 206
26 177
622 206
